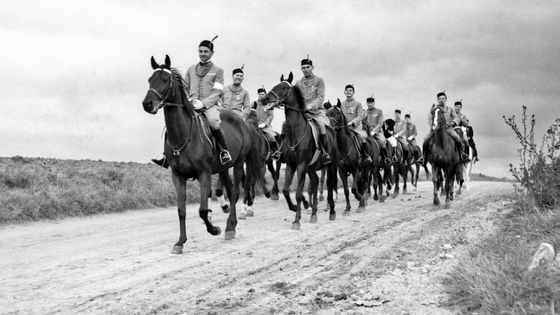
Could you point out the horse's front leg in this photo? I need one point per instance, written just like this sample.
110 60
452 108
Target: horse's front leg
344 178
301 173
435 181
321 184
332 182
356 178
181 192
312 191
275 174
288 178
204 180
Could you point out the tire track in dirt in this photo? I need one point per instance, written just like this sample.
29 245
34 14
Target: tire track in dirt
119 263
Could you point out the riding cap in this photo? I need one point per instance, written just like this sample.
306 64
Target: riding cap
370 99
459 103
208 43
238 70
397 111
441 93
407 116
350 86
307 61
261 90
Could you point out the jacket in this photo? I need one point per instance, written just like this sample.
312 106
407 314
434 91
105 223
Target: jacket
206 81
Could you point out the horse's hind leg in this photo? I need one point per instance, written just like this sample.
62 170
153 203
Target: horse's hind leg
435 181
275 174
312 191
299 194
332 181
220 195
321 183
288 178
344 179
231 222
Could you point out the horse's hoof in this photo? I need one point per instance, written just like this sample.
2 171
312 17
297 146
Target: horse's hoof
274 197
242 215
313 219
250 213
295 226
267 195
346 213
321 198
229 235
332 217
216 231
305 204
375 197
178 250
225 208
293 208
451 198
436 202
447 205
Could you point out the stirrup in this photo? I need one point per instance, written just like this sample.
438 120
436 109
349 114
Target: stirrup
326 159
225 157
367 158
161 162
387 160
275 155
421 160
394 159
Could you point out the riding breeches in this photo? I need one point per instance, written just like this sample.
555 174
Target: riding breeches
213 116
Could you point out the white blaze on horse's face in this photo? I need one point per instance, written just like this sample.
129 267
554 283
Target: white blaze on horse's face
435 122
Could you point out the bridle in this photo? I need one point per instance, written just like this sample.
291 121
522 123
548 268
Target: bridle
281 101
167 92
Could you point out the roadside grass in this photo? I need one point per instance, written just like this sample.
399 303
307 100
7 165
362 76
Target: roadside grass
494 279
38 188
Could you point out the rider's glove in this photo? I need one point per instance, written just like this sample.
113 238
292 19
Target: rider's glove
262 125
197 104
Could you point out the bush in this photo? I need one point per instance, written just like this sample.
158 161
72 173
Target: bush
539 169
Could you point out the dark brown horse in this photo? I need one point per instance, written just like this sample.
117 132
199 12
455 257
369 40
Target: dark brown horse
398 166
373 177
349 160
444 158
190 149
298 150
415 161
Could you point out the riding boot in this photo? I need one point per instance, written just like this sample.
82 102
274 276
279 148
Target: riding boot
326 159
365 157
163 161
275 151
384 155
461 149
425 149
394 158
218 134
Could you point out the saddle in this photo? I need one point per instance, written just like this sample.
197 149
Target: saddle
202 125
356 141
315 133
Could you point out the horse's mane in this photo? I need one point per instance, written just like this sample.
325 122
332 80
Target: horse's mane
299 97
181 82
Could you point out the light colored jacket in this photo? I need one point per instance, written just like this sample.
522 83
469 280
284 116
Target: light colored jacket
463 119
450 115
410 130
375 119
399 128
206 81
264 115
313 92
236 99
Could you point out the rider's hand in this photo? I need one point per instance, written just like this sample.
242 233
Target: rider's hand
371 133
409 138
350 124
262 125
197 104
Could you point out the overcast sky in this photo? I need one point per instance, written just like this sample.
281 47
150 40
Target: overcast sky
74 73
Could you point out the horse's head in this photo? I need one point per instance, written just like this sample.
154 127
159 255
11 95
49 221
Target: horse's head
439 118
279 93
336 116
388 127
166 85
252 118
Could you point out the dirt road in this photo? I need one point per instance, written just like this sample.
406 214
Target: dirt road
386 260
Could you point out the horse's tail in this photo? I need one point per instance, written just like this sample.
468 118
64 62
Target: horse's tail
255 160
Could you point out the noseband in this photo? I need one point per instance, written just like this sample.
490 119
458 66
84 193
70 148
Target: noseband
166 92
282 101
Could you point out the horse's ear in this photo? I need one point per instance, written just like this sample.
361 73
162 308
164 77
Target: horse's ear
167 62
338 103
154 64
282 78
290 77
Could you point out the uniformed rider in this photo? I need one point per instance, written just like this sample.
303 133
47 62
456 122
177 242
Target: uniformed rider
236 97
355 113
374 120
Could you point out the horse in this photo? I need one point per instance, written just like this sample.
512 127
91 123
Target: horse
397 167
300 150
191 150
373 172
349 159
444 158
261 148
464 169
415 161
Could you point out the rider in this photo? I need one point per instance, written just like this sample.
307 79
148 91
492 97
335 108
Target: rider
374 119
264 118
355 113
410 134
400 132
451 119
466 123
205 81
236 97
313 91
